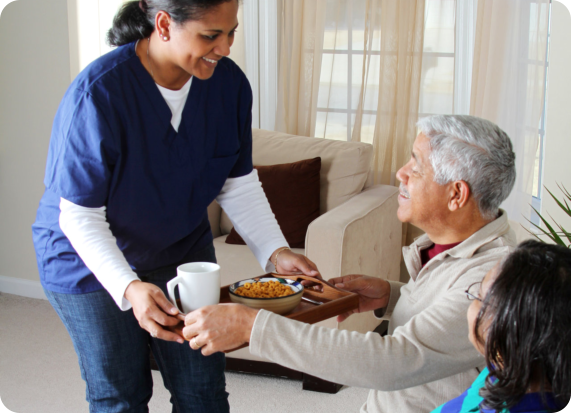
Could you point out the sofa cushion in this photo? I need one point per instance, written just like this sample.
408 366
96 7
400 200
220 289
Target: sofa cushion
344 165
292 190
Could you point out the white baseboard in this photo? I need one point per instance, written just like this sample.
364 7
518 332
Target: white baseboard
24 288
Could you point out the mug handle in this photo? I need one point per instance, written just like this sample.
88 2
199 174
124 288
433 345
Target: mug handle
170 287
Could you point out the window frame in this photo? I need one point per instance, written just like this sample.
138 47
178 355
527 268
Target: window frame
536 198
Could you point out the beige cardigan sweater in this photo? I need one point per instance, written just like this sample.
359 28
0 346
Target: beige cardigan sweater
426 359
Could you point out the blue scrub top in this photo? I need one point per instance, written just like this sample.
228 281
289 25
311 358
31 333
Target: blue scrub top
113 145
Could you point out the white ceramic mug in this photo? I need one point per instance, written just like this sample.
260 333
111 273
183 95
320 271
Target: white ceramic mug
198 285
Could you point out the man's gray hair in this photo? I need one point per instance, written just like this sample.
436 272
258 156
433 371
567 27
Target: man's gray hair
474 150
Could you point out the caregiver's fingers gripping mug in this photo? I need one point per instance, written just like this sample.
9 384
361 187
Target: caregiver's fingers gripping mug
198 285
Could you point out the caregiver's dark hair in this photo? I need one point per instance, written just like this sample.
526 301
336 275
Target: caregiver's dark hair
136 19
529 334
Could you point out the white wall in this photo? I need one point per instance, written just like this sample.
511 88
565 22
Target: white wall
34 74
557 162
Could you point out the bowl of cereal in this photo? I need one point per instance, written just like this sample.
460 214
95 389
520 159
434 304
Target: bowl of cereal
279 295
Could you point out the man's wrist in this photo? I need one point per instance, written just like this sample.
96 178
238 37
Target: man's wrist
387 296
385 299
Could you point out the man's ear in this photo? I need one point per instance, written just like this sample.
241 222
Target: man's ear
459 195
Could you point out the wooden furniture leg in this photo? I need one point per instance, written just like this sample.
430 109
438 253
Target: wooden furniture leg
275 370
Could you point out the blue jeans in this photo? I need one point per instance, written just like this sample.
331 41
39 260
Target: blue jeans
113 352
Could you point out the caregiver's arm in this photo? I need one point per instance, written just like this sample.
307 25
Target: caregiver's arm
248 208
88 231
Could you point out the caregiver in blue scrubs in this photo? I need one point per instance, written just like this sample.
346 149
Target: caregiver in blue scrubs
145 138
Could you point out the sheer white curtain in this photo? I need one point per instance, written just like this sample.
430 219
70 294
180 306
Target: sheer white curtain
508 83
301 52
351 69
390 82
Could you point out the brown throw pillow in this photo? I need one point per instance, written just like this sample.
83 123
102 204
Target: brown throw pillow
293 193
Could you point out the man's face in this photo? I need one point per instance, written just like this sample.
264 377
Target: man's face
422 202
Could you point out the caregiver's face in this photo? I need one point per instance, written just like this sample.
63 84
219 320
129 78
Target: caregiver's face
200 44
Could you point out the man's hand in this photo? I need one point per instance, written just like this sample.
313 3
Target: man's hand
219 327
373 292
153 310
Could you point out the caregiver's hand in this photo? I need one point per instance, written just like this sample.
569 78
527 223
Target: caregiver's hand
219 327
153 310
373 292
289 262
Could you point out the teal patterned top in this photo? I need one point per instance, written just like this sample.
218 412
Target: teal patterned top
470 400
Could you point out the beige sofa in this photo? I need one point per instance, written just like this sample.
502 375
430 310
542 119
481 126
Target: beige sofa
357 232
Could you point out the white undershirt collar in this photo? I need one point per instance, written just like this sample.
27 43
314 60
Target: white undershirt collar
176 100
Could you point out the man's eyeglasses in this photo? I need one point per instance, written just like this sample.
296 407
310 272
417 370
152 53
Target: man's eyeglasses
473 291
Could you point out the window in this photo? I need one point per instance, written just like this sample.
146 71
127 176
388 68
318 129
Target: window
439 58
342 58
342 66
260 28
89 21
538 170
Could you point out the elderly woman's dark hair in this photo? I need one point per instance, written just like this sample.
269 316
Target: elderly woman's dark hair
529 331
136 19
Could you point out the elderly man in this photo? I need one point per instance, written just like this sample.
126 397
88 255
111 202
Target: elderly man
460 171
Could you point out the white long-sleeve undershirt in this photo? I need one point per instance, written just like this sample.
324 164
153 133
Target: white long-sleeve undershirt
242 198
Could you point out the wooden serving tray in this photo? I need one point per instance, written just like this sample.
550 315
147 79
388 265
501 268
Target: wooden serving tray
335 301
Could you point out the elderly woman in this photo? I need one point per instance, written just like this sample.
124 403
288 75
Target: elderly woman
520 322
146 137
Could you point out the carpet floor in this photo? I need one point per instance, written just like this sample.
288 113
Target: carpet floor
39 373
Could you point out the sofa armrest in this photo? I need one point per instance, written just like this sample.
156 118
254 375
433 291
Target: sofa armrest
361 236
